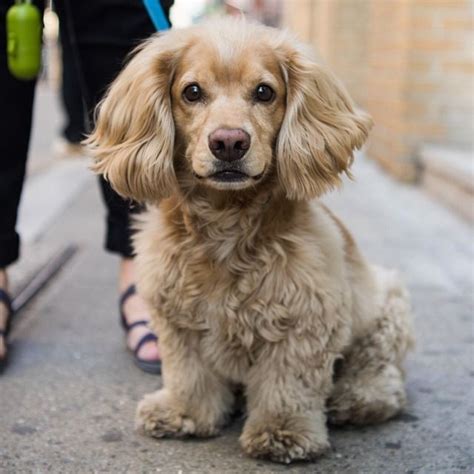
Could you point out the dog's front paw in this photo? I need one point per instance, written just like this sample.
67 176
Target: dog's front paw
285 443
157 417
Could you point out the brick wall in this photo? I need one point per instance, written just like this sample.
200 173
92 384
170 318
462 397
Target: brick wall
441 71
409 62
389 43
348 55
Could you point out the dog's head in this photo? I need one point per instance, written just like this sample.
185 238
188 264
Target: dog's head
225 105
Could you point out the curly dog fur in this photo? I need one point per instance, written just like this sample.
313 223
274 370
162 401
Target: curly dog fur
250 281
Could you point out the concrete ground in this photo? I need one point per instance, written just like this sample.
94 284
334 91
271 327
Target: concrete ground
67 400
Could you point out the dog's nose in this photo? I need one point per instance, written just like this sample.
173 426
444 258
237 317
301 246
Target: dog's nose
229 144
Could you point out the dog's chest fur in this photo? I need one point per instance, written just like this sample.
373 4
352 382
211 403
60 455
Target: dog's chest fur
241 279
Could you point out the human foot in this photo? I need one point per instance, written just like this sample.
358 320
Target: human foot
136 315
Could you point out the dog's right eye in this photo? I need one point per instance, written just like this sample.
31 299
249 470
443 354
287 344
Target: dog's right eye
192 93
264 93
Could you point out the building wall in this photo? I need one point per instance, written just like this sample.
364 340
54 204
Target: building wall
348 55
442 70
298 16
408 62
388 81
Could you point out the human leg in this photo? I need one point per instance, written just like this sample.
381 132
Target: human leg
102 35
16 98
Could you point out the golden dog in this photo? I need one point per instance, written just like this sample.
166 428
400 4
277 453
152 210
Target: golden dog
227 130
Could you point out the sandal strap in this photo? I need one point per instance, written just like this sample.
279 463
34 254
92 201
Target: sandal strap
137 323
146 338
130 291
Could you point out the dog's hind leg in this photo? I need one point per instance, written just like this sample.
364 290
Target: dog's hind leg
369 382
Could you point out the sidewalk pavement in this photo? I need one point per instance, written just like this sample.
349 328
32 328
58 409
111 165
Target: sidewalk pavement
67 400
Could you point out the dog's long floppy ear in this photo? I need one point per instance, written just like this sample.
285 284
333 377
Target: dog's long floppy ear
320 129
134 134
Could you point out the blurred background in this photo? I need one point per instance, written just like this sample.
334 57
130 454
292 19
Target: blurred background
408 62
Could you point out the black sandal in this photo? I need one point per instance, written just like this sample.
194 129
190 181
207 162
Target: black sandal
6 301
152 367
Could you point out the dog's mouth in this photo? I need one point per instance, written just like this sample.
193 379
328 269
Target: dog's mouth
230 176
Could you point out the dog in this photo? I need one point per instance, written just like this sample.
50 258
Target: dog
230 131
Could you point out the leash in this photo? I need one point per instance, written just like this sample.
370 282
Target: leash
157 15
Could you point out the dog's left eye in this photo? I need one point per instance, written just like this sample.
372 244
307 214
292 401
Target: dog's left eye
192 93
264 93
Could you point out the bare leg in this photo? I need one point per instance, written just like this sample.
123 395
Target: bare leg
135 309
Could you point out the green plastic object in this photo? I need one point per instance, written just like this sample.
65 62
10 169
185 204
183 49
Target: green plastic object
24 27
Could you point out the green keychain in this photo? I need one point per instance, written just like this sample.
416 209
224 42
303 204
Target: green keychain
24 27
